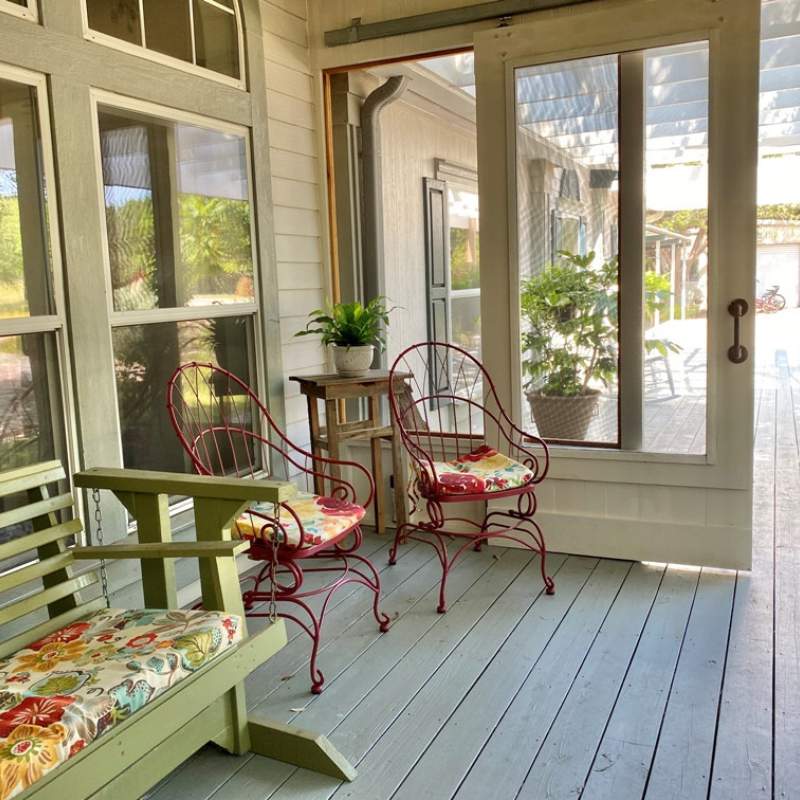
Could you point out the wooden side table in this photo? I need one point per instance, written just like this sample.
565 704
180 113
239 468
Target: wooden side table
331 389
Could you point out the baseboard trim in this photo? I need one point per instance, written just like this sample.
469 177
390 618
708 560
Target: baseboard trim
724 547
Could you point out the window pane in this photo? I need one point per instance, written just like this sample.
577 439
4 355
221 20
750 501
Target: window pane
145 357
465 264
178 214
25 278
119 19
465 322
29 400
567 205
216 38
676 249
167 28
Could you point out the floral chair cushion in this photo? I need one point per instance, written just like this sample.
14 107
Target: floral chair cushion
61 693
481 471
322 519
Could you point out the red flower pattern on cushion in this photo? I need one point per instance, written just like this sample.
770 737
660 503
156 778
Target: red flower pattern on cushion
68 634
339 508
41 711
484 451
460 483
76 747
483 470
142 640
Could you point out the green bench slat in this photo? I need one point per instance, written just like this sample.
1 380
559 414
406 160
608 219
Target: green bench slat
36 570
34 510
37 600
33 540
25 478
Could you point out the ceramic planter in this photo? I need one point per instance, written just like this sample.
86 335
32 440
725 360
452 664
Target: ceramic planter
353 362
563 417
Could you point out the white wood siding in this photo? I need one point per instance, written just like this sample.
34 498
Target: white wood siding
296 192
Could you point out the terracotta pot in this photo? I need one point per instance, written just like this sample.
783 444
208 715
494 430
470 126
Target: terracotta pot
563 417
353 362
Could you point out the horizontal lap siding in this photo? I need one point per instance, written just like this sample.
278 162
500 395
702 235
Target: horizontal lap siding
296 190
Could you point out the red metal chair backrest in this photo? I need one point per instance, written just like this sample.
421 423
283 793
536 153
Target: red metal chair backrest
221 423
446 406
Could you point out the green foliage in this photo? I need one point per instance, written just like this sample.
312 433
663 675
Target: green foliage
571 311
215 249
350 324
464 263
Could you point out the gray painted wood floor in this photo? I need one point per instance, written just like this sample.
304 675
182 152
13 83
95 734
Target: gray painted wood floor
633 681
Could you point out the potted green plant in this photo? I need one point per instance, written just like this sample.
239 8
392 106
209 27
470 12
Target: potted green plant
571 343
352 331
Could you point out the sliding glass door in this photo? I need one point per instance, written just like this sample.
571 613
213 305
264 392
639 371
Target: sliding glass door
623 212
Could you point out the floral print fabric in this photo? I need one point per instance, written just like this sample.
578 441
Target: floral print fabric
322 519
483 470
64 691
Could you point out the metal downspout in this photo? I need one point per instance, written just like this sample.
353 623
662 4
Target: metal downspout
377 100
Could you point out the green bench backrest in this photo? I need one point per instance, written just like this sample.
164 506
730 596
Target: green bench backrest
38 591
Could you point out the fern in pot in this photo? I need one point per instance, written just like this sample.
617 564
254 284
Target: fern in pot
352 331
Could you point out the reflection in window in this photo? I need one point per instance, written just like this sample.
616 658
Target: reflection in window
29 400
567 207
465 269
25 280
119 19
676 251
145 357
200 32
216 37
178 214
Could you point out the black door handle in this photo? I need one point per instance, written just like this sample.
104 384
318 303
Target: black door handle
737 352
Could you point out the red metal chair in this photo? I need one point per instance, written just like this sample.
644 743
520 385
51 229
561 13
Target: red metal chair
226 430
463 448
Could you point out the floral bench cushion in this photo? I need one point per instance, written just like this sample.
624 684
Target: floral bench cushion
483 470
60 693
322 519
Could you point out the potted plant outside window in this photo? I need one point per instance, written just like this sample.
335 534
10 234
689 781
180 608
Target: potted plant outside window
352 331
571 343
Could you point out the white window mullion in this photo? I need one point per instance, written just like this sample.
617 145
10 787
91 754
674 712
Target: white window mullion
631 248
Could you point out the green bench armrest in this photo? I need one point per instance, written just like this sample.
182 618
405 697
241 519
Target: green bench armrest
147 482
162 550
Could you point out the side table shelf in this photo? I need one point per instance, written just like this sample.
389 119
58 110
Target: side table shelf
330 389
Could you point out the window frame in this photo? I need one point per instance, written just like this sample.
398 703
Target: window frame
457 176
29 12
253 311
141 50
49 324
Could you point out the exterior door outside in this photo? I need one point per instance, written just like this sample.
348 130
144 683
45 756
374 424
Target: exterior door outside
622 226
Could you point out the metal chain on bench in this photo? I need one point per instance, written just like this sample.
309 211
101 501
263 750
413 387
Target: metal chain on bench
98 524
273 589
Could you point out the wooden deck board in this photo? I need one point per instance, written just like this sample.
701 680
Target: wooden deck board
446 761
503 764
567 753
588 694
682 764
622 761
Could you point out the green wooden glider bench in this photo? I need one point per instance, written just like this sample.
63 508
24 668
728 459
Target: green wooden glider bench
103 703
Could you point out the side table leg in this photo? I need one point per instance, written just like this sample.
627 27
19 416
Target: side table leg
377 465
316 450
332 429
400 476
